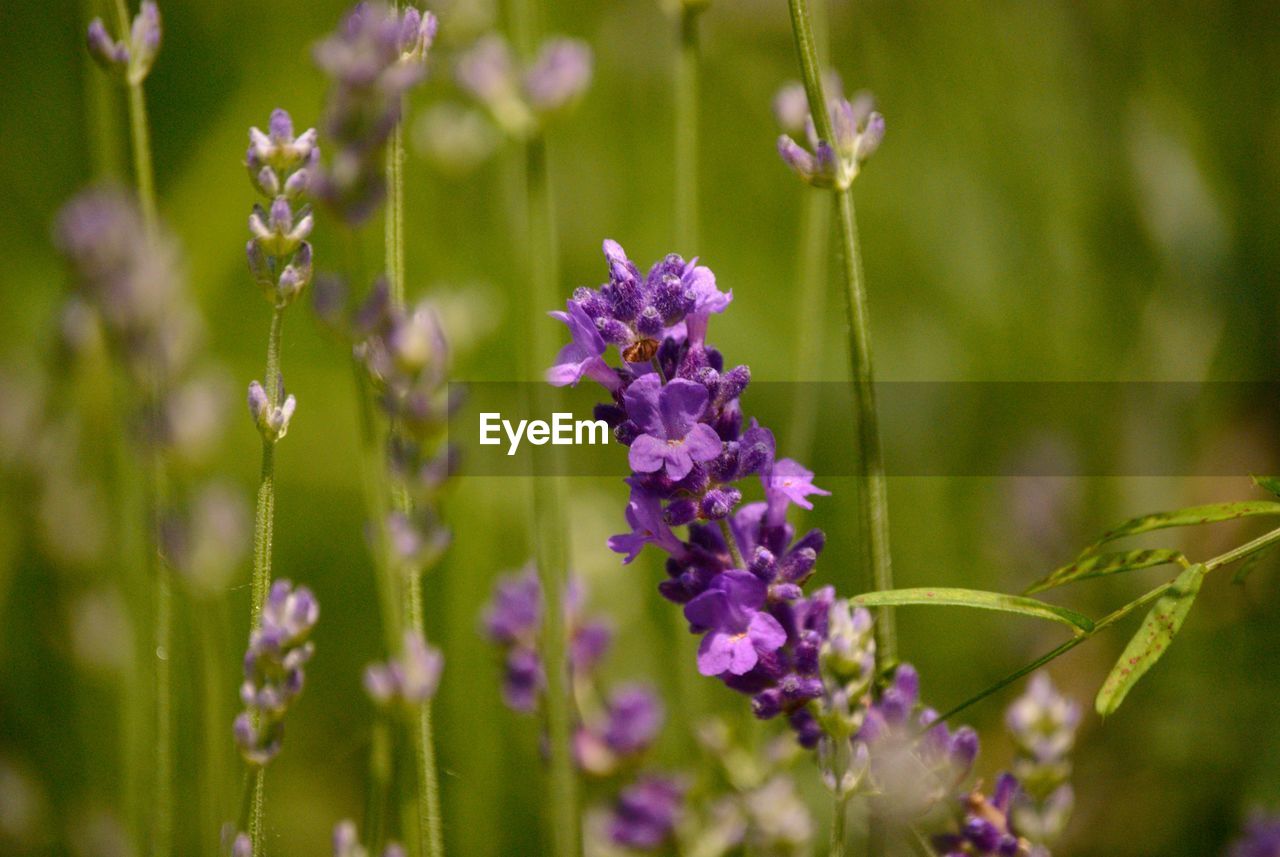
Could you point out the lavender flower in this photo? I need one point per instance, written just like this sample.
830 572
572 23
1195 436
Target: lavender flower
645 814
986 828
522 99
911 772
346 842
132 59
857 130
739 572
1043 723
626 728
281 167
409 680
1261 838
273 669
373 59
129 277
513 620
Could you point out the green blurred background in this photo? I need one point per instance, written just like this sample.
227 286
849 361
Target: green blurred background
1067 191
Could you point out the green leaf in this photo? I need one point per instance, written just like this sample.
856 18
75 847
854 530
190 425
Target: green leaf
1184 518
1249 564
975 598
1270 484
1152 639
1099 565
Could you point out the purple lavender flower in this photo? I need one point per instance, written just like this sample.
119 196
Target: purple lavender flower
627 727
559 75
522 99
913 773
1261 837
373 59
857 130
737 631
645 517
1043 723
645 814
584 355
132 59
986 829
513 620
346 842
739 571
273 669
410 679
671 437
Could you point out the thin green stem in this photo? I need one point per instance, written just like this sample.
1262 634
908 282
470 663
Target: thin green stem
1265 540
811 273
688 66
735 555
380 772
839 818
263 538
550 527
873 500
1102 624
140 132
395 212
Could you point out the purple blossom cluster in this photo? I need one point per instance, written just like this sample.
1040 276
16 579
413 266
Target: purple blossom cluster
739 572
613 730
521 98
987 829
346 843
1043 724
131 55
916 761
856 127
405 357
606 735
273 669
374 58
408 680
1261 837
645 814
281 168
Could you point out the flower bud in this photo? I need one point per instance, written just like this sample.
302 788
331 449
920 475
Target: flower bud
144 42
108 53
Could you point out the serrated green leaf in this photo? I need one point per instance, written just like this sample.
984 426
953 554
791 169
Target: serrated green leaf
1270 484
1184 518
1152 639
975 598
1099 565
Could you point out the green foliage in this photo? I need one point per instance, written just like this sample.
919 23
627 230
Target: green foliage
978 599
1152 639
1190 516
1270 484
1100 565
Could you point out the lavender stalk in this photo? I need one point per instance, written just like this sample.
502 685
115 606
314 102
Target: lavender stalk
281 167
834 164
131 57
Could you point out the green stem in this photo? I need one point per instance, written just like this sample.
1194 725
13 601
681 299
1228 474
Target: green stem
550 527
263 537
395 212
839 817
143 171
686 131
380 772
873 500
815 240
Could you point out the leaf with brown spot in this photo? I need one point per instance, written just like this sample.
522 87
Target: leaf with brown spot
1152 639
1187 517
1099 565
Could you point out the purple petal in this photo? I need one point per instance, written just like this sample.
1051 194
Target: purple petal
708 610
702 443
648 454
680 405
765 633
641 401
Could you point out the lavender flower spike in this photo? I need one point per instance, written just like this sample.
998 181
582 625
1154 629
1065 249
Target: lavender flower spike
132 59
1261 838
856 127
408 680
671 438
646 813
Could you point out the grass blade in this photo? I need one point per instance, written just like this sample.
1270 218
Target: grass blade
975 598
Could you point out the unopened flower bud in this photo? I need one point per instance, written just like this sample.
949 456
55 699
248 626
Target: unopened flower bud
144 42
110 54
